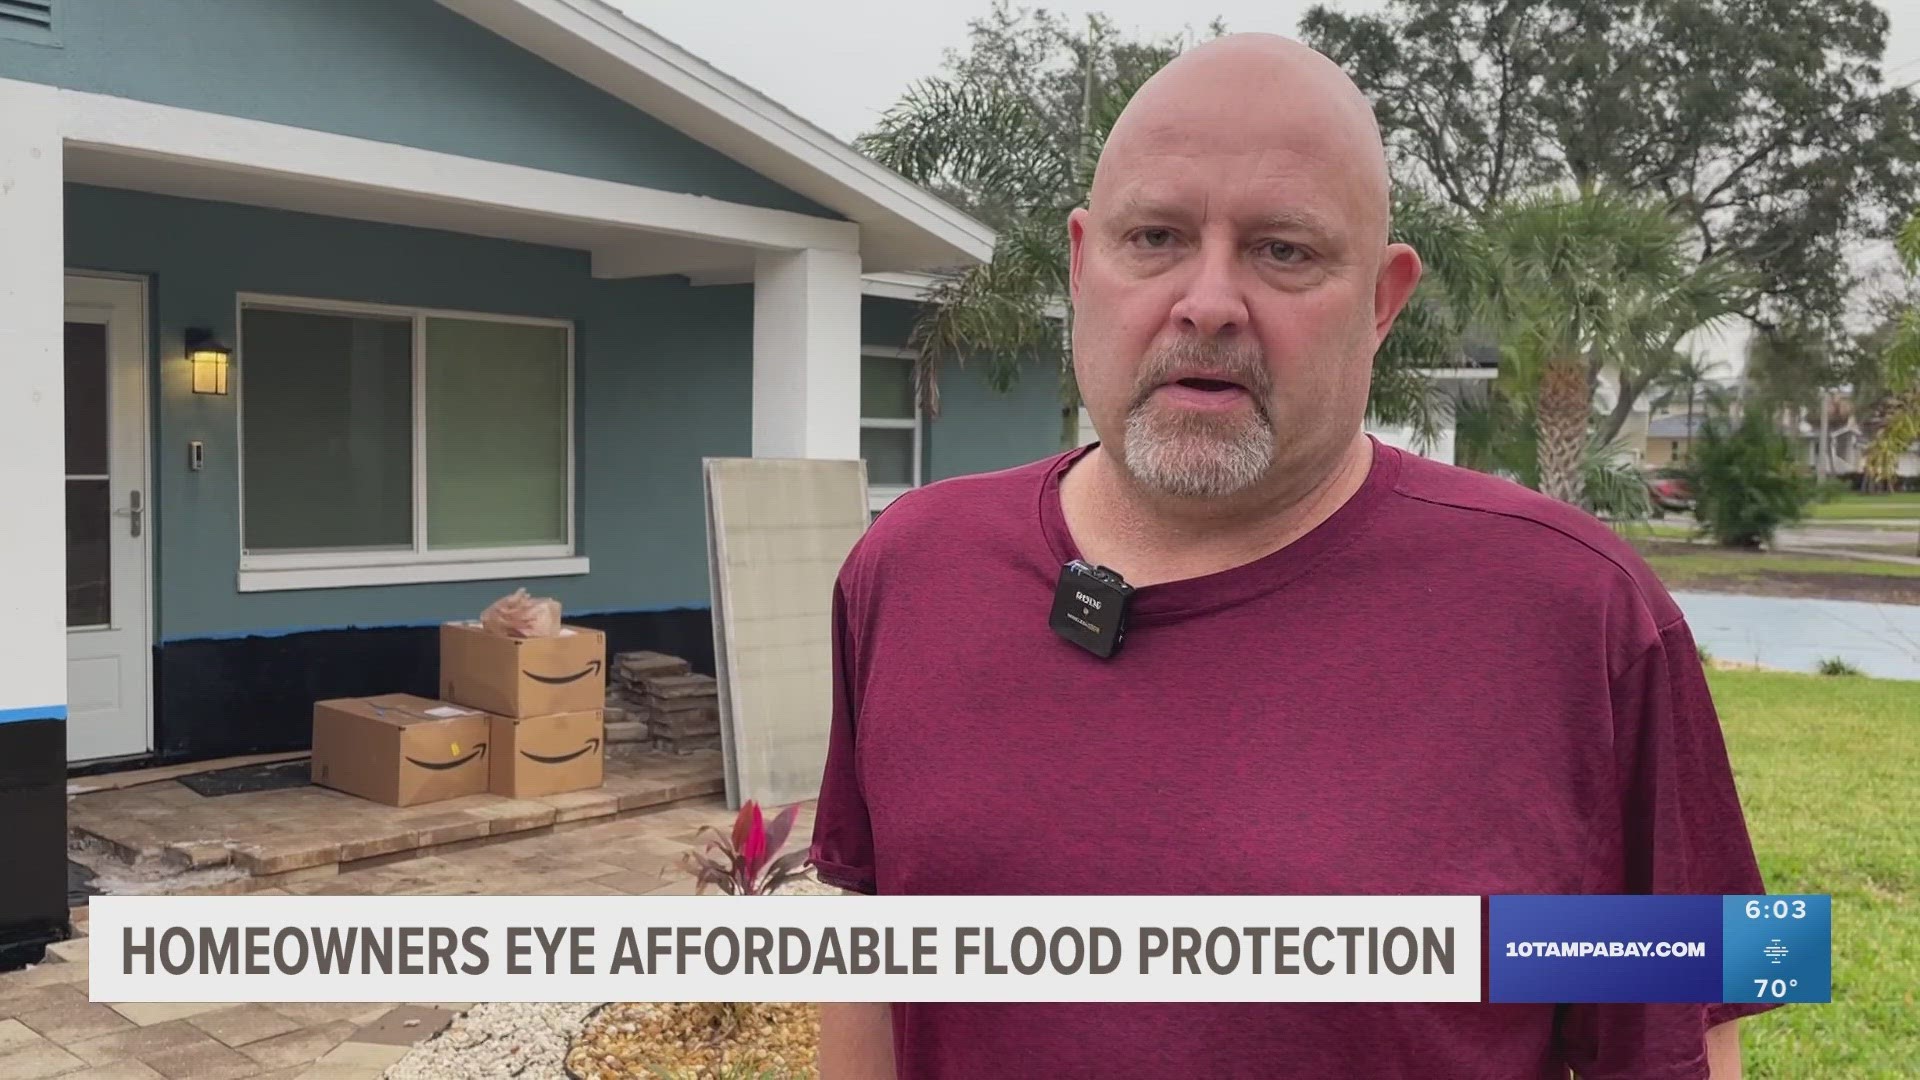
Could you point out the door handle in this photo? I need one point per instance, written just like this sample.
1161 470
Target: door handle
131 510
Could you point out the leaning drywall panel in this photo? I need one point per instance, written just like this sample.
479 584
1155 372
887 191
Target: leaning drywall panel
781 528
722 670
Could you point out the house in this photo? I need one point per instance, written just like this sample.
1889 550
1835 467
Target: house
374 310
343 317
1848 442
1465 381
1669 439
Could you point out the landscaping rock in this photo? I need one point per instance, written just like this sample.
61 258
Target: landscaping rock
757 1039
497 1041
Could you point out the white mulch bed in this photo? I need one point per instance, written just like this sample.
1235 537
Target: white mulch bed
497 1041
516 1041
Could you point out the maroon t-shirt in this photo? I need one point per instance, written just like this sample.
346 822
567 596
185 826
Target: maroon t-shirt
1452 686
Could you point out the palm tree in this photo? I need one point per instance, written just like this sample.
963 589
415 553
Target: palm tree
1793 367
1001 148
1684 377
1898 418
1500 436
1588 278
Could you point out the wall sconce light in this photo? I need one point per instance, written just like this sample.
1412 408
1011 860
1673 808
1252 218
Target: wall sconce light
209 357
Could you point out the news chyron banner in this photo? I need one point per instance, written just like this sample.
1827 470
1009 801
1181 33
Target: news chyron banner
961 948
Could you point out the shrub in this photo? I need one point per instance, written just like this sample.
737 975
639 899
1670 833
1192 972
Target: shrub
1746 482
1833 665
746 866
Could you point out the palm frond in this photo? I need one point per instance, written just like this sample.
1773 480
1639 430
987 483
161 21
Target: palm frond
991 144
1456 259
1902 355
1615 487
1406 396
995 312
1598 265
1899 430
1906 243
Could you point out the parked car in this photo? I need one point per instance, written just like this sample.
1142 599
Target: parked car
1671 490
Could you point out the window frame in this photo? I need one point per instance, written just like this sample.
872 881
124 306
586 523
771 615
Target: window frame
332 568
882 495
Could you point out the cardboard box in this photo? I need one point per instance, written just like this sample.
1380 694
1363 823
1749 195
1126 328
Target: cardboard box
544 755
510 676
400 749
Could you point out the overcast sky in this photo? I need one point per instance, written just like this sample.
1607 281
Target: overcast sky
841 63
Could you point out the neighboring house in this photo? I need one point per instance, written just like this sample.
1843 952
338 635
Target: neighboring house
1670 439
1466 381
348 316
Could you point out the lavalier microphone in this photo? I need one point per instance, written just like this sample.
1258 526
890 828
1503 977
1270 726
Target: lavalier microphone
1090 607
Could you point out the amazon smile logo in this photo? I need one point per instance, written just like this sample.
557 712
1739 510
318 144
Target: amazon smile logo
593 667
562 759
479 750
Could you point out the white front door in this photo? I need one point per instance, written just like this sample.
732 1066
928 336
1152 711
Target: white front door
109 520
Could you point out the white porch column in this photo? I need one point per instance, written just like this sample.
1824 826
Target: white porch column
806 354
33 544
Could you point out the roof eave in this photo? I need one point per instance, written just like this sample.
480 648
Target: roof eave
910 227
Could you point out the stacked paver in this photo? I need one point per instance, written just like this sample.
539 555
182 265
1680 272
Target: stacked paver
657 698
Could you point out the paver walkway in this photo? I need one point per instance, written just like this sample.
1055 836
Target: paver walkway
262 839
48 1028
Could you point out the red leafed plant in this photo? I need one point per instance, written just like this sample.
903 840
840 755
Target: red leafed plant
742 867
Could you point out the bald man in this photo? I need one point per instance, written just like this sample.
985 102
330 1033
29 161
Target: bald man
1347 669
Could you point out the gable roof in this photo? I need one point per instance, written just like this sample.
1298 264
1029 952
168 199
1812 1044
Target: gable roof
904 227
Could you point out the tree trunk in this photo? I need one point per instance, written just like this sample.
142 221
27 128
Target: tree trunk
1627 395
1824 467
1561 426
1069 394
1690 431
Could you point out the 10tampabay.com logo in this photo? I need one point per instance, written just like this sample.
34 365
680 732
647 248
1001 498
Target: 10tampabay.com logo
1659 948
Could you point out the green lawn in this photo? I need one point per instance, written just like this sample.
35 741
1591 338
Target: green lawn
1677 568
1828 770
1854 505
1659 530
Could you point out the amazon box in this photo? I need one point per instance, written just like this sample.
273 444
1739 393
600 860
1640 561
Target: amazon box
545 755
510 676
400 749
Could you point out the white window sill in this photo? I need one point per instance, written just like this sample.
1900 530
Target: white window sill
340 577
879 498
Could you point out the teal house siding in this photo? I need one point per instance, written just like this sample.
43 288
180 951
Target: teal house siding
663 377
979 429
400 71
